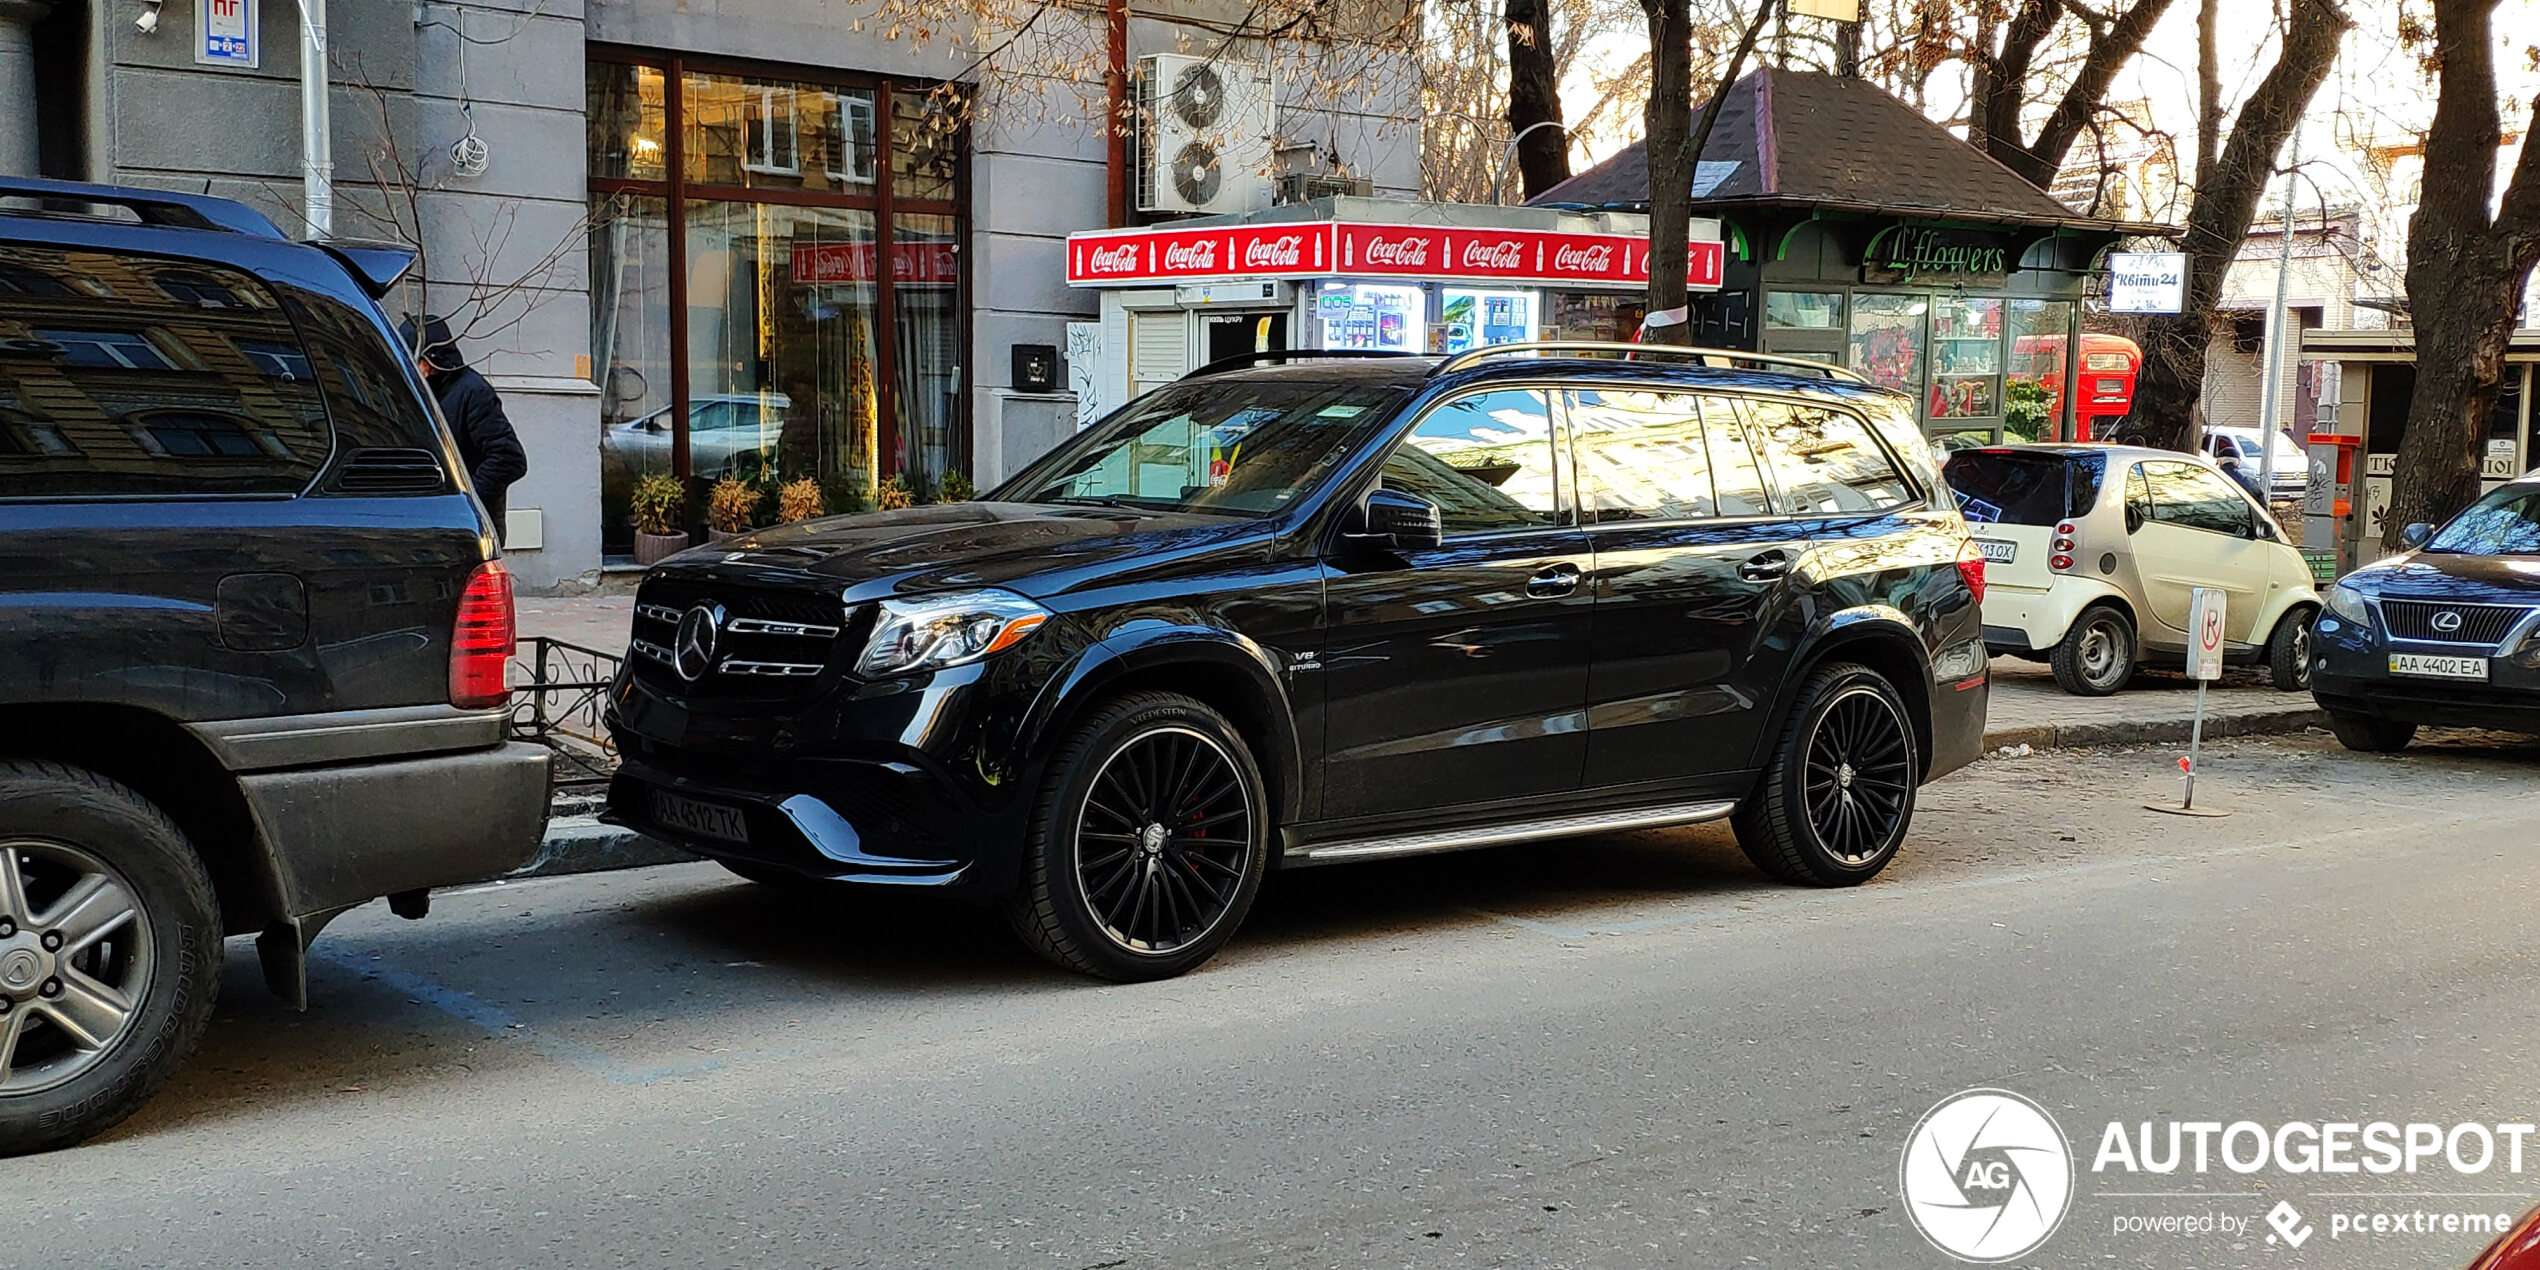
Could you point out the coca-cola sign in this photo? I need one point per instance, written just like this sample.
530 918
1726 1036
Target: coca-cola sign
1442 253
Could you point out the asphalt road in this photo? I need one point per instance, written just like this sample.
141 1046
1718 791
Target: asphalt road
1618 1052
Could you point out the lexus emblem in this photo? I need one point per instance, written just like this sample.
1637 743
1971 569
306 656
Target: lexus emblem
692 653
2447 621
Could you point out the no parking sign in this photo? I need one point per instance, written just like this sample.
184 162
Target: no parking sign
2205 628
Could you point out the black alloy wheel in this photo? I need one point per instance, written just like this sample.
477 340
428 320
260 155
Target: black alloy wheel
1838 796
1150 844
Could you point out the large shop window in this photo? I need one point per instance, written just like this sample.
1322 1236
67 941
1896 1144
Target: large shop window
777 283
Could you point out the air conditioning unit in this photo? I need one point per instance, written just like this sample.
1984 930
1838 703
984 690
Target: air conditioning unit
1203 134
1305 187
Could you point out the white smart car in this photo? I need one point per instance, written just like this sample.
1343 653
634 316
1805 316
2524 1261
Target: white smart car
2092 553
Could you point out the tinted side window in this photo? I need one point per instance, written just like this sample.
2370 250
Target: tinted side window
130 375
2197 498
1486 460
362 375
1826 461
1661 456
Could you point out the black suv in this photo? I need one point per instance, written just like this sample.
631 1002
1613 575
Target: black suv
1329 609
255 637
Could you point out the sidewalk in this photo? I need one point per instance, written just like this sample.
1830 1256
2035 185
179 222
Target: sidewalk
2027 709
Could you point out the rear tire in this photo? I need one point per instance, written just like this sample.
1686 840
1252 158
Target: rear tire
2365 734
1148 844
2095 657
2289 650
1838 795
113 957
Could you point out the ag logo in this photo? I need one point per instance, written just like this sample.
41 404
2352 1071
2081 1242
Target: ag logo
1987 1175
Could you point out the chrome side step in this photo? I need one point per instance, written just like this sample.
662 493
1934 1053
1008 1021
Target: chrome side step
1525 831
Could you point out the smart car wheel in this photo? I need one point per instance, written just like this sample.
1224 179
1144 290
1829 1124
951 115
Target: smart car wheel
1149 843
2365 734
2096 657
1839 793
2289 651
109 953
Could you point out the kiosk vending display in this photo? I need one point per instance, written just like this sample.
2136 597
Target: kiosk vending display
1366 315
1479 319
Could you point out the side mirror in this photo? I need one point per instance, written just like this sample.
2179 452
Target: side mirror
2416 535
1391 520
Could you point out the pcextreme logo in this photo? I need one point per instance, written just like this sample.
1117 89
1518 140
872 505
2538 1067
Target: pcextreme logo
1987 1175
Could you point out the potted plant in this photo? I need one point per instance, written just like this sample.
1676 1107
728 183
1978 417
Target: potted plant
894 494
955 487
658 506
797 499
730 503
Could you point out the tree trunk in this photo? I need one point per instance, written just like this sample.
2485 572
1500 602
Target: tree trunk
2465 275
2173 375
1669 120
1534 97
2112 45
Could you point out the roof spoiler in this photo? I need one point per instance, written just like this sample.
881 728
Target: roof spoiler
378 264
153 207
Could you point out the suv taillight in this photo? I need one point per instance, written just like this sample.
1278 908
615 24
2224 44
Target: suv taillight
481 640
1971 567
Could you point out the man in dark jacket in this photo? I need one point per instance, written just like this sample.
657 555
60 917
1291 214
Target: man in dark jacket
487 443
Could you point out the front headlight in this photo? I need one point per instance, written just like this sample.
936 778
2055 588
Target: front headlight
2348 603
931 632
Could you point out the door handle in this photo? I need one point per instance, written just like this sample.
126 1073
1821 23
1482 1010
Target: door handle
1553 581
1770 566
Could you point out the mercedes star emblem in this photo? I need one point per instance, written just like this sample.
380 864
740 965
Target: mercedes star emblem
692 653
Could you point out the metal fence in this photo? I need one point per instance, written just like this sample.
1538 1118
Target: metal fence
558 690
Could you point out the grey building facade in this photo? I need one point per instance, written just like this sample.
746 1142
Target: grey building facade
753 238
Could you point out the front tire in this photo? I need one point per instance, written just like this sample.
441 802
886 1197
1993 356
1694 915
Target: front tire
1838 796
2095 657
111 956
1149 842
2365 734
2289 651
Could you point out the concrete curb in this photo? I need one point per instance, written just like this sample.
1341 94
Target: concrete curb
2268 722
581 844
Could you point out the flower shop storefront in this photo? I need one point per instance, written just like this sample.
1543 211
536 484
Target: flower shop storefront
1972 322
1861 233
778 294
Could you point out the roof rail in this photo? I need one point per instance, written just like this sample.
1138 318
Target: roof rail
1630 352
1258 356
154 207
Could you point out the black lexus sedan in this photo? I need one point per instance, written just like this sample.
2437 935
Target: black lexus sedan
1300 609
2447 635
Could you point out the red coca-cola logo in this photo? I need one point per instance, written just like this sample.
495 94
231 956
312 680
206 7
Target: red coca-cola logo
1120 259
1409 253
1505 254
1570 259
1283 252
1198 255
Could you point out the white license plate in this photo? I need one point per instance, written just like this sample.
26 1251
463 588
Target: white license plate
2438 667
709 820
1997 551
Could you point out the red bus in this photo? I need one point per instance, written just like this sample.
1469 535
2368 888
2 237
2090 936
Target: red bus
2109 364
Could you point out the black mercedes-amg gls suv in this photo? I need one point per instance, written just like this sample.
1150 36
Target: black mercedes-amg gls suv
1300 609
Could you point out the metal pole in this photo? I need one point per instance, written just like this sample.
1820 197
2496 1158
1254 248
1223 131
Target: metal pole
1499 179
317 132
2271 400
2195 745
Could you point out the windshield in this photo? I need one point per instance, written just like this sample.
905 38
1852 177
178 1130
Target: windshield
2023 487
2505 523
1233 446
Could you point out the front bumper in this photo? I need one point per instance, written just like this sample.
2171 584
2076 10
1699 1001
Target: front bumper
2352 676
847 820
